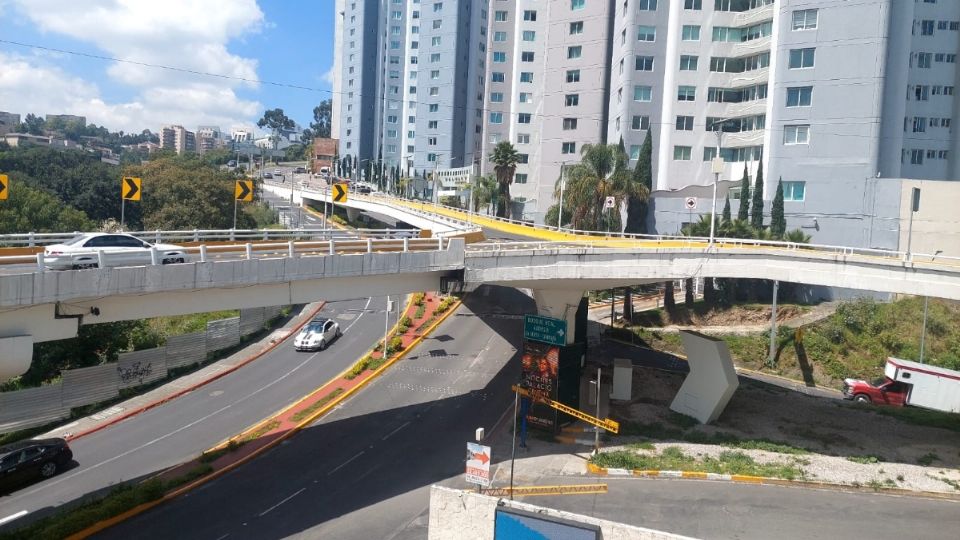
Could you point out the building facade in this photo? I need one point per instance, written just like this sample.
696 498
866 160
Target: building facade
8 122
178 139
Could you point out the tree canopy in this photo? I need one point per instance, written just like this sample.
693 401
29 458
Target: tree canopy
505 158
322 115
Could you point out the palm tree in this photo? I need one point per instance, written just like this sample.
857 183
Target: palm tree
505 158
602 172
485 193
797 236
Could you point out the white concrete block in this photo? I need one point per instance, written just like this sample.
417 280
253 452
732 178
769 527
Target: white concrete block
712 379
622 379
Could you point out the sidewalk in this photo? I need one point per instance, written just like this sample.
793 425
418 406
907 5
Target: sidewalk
187 383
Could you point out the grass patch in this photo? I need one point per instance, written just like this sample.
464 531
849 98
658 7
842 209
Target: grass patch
316 405
260 431
928 459
641 446
673 459
952 483
194 473
63 524
213 455
921 417
658 431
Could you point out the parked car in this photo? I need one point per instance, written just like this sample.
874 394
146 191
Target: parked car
25 461
317 334
232 163
267 175
82 251
300 170
363 189
909 383
278 172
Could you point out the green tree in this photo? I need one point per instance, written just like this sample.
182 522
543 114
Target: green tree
726 210
30 209
756 210
322 115
486 193
32 124
778 222
669 302
743 212
642 175
504 158
602 172
276 121
797 236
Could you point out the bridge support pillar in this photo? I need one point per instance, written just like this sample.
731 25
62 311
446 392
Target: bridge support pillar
556 369
16 356
560 304
352 213
712 379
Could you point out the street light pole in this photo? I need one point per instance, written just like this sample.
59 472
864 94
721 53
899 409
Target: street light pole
563 183
717 166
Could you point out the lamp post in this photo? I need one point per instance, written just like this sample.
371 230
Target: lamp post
716 167
914 208
436 168
563 184
596 430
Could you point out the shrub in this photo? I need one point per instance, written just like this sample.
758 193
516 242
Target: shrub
396 344
421 309
359 367
418 298
406 321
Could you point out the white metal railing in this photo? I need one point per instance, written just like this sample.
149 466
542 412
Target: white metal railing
225 252
33 239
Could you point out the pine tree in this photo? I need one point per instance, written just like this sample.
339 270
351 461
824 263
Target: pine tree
688 293
743 213
669 303
643 174
778 222
726 210
756 209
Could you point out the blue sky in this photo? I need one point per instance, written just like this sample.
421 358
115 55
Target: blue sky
271 40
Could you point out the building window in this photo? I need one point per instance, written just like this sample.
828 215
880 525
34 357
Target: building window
431 141
688 62
520 178
496 97
692 4
642 93
499 36
924 60
681 153
574 52
523 138
919 124
435 41
577 4
526 56
799 134
646 33
437 7
497 76
690 32
916 157
804 19
926 28
526 97
434 74
499 57
647 5
434 58
576 28
529 35
684 123
640 122
523 158
799 96
496 118
434 90
433 107
643 63
802 58
569 123
568 148
572 100
634 151
573 75
499 16
530 15
526 76
523 118
686 93
794 190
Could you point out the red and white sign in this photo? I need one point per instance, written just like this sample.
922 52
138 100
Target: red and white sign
478 464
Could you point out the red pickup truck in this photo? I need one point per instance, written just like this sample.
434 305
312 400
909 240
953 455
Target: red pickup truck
883 391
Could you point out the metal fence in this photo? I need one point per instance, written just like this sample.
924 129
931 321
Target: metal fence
84 386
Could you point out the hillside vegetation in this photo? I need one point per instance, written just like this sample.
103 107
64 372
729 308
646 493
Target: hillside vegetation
853 342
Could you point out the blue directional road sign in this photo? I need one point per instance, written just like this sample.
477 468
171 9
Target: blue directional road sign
545 329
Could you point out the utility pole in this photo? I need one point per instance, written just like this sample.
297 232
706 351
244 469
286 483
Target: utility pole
717 166
773 325
563 183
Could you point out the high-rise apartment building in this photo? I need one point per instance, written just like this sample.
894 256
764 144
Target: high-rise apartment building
821 93
8 122
410 80
178 139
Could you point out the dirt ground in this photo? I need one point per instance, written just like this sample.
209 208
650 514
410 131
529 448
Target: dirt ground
739 315
824 426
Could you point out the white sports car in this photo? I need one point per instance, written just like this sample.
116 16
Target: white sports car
117 249
317 335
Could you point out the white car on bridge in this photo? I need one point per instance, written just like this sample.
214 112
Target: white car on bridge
116 249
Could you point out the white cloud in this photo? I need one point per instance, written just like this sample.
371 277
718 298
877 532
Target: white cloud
181 33
328 76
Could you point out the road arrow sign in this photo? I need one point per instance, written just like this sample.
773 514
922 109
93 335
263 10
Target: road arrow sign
478 464
130 188
243 190
340 192
4 187
545 329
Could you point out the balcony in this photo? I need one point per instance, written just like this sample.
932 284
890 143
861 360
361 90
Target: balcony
748 48
754 16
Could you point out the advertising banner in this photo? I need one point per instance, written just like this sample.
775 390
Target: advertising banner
540 367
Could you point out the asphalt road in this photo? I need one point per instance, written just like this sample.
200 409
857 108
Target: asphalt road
364 470
186 426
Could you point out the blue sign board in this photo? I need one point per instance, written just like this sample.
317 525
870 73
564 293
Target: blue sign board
545 329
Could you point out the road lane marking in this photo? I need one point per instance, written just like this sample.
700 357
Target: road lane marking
265 512
344 464
405 424
12 517
355 321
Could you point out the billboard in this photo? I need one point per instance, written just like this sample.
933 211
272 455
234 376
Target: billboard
515 524
539 374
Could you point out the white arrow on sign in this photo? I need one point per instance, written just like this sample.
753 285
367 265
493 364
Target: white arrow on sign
691 203
609 203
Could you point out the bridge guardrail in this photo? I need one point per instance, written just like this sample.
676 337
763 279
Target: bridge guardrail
34 239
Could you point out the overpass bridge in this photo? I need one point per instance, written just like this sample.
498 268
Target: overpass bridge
244 269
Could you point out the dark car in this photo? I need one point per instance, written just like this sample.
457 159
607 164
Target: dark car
300 170
25 461
267 175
